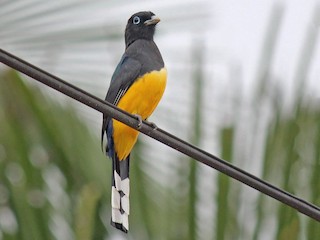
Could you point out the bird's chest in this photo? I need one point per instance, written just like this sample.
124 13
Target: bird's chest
144 94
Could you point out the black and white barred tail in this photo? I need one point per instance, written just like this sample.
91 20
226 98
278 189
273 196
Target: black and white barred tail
120 194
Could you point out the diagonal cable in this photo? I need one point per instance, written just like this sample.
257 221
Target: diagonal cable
170 140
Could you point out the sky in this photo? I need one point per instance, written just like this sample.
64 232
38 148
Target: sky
239 29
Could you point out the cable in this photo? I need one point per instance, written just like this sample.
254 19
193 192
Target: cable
170 140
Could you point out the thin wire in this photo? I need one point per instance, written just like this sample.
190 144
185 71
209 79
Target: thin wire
170 140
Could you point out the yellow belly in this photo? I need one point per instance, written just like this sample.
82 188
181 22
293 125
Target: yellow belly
141 98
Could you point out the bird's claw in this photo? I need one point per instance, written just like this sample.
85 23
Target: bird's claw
139 118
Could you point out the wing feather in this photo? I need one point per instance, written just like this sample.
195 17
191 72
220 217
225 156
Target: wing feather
126 73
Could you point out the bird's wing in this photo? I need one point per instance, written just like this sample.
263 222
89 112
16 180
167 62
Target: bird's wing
126 73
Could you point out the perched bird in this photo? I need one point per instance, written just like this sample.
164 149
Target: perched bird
137 86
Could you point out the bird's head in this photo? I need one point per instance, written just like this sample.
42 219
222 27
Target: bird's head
141 25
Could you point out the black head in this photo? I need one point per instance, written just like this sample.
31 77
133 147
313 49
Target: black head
140 25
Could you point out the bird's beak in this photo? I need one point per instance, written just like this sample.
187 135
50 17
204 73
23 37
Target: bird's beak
153 21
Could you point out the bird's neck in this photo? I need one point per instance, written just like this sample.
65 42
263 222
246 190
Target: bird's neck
128 43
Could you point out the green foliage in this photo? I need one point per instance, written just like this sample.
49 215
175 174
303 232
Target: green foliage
49 164
225 210
292 160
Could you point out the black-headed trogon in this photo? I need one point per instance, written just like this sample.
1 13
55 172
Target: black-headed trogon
137 86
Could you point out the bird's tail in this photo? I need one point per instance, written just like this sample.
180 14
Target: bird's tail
120 193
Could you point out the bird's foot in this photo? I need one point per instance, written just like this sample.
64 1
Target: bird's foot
139 118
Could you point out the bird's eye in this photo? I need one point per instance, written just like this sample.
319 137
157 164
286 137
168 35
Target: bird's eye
136 20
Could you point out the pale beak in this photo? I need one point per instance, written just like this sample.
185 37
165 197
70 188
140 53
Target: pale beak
153 21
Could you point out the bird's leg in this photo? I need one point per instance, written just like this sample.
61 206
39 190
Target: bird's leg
139 118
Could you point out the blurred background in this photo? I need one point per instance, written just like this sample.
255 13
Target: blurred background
243 84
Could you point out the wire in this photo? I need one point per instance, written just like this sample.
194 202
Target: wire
170 140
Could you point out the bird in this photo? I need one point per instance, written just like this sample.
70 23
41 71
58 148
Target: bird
136 86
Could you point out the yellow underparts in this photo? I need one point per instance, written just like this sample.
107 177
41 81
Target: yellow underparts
141 98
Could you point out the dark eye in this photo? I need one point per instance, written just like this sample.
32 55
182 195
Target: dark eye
136 20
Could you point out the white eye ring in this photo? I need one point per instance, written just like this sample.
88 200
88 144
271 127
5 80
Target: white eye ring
136 20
